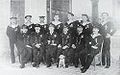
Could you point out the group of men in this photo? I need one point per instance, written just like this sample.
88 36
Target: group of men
77 41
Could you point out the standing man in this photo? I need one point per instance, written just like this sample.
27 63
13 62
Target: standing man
29 23
72 25
107 30
44 29
43 24
58 24
12 31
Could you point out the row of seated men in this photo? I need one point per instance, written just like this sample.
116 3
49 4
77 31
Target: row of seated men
44 43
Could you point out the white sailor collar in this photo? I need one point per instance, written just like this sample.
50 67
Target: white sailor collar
56 23
94 36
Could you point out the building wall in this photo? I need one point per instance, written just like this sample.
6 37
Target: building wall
81 6
35 8
84 6
4 22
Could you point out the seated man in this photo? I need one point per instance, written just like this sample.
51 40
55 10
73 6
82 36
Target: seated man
80 51
38 51
25 47
52 43
64 46
93 48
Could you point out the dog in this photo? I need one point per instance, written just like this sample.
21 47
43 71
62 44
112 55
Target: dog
61 61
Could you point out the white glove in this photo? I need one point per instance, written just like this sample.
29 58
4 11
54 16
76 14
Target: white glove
65 47
28 46
48 41
108 36
54 44
73 46
90 42
37 45
95 47
59 46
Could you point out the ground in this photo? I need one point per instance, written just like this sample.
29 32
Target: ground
13 69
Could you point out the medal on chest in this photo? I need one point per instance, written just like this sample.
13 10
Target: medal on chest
106 27
55 35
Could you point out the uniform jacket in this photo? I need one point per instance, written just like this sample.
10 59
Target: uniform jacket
107 28
52 38
72 30
87 29
23 40
37 38
96 41
44 27
30 28
12 33
65 40
58 28
80 41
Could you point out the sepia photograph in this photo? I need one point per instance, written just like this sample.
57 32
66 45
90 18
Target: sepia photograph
60 37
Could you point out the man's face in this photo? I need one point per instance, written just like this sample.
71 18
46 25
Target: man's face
24 30
80 29
37 29
95 30
84 18
13 21
65 30
56 17
28 19
70 16
51 28
41 19
104 16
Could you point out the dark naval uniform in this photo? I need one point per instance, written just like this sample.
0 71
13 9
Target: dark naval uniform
25 48
58 27
72 28
80 50
12 34
51 48
73 32
30 27
87 31
38 48
44 27
65 41
106 29
91 51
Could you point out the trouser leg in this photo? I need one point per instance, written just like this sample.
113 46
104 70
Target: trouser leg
65 52
48 60
76 59
88 61
59 52
83 58
12 52
54 54
70 56
106 52
108 61
44 56
35 56
103 56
